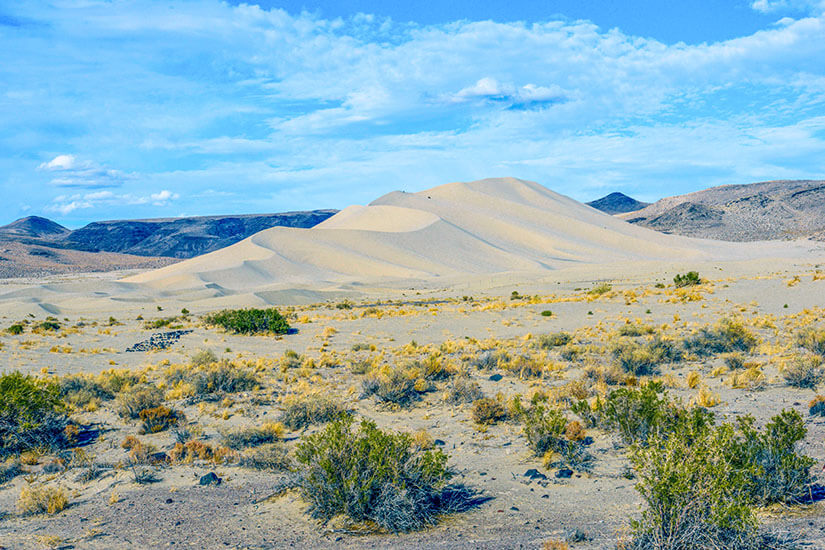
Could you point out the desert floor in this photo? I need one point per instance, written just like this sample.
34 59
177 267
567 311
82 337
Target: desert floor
456 324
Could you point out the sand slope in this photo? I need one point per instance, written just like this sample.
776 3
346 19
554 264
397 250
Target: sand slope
482 227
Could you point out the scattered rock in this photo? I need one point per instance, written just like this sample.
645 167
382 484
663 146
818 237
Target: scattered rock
210 479
439 442
159 341
532 473
564 473
495 377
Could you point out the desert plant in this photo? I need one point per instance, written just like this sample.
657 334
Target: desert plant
488 411
725 337
690 278
270 432
32 415
138 398
816 407
158 419
598 290
393 387
15 329
203 357
463 390
268 456
42 500
546 430
804 372
80 390
812 339
367 474
9 469
310 409
635 329
554 340
249 321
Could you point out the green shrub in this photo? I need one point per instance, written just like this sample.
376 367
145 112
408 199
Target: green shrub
726 336
812 339
688 279
249 321
546 313
804 372
370 475
49 325
488 411
203 357
212 379
268 456
16 328
633 329
546 431
137 398
600 289
311 409
32 414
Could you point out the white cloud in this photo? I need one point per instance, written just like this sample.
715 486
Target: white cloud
771 6
60 162
70 172
65 204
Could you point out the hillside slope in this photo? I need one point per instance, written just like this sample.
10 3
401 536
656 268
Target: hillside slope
759 211
617 203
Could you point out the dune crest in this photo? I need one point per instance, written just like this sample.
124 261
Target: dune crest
488 226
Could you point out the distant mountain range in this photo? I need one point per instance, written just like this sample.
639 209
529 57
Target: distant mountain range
36 246
768 210
617 203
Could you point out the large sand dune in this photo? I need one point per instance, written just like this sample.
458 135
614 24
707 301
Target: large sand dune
482 227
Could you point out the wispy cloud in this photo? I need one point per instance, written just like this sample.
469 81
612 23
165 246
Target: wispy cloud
294 111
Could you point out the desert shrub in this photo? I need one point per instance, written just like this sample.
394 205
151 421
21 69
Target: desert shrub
735 360
116 380
137 398
812 339
158 419
640 359
546 313
524 366
554 340
186 453
203 357
249 321
634 329
15 329
80 390
571 352
463 390
690 278
725 337
775 471
211 379
268 456
367 474
49 325
804 372
42 500
394 387
600 289
488 360
488 411
700 482
32 414
816 407
270 432
546 430
310 409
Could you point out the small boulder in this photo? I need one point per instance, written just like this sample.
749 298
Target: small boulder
210 479
564 473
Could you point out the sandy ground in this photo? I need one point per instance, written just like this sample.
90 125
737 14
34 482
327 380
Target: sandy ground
177 513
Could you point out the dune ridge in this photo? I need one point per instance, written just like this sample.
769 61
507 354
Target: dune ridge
488 226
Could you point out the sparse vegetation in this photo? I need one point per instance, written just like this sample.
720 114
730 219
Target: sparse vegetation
32 414
270 432
812 339
311 409
394 387
690 278
159 419
249 321
463 390
557 339
137 398
804 372
725 337
488 411
42 500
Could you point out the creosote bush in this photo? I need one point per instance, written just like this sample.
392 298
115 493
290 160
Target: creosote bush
32 414
373 476
550 434
249 321
42 500
641 359
690 278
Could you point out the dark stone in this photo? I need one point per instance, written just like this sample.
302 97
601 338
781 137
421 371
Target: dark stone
564 473
439 442
532 473
496 377
587 440
514 509
169 501
210 479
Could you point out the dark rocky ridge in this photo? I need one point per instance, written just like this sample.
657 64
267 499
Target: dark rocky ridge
771 210
33 226
617 203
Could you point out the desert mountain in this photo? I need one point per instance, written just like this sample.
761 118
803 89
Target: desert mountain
617 203
455 230
753 212
33 226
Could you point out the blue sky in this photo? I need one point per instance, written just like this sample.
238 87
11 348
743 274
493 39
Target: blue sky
129 109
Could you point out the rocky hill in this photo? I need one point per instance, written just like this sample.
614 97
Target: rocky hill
33 226
753 212
617 203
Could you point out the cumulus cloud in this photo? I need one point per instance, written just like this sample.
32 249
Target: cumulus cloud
65 204
70 172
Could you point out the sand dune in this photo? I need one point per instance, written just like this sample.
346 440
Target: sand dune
483 227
